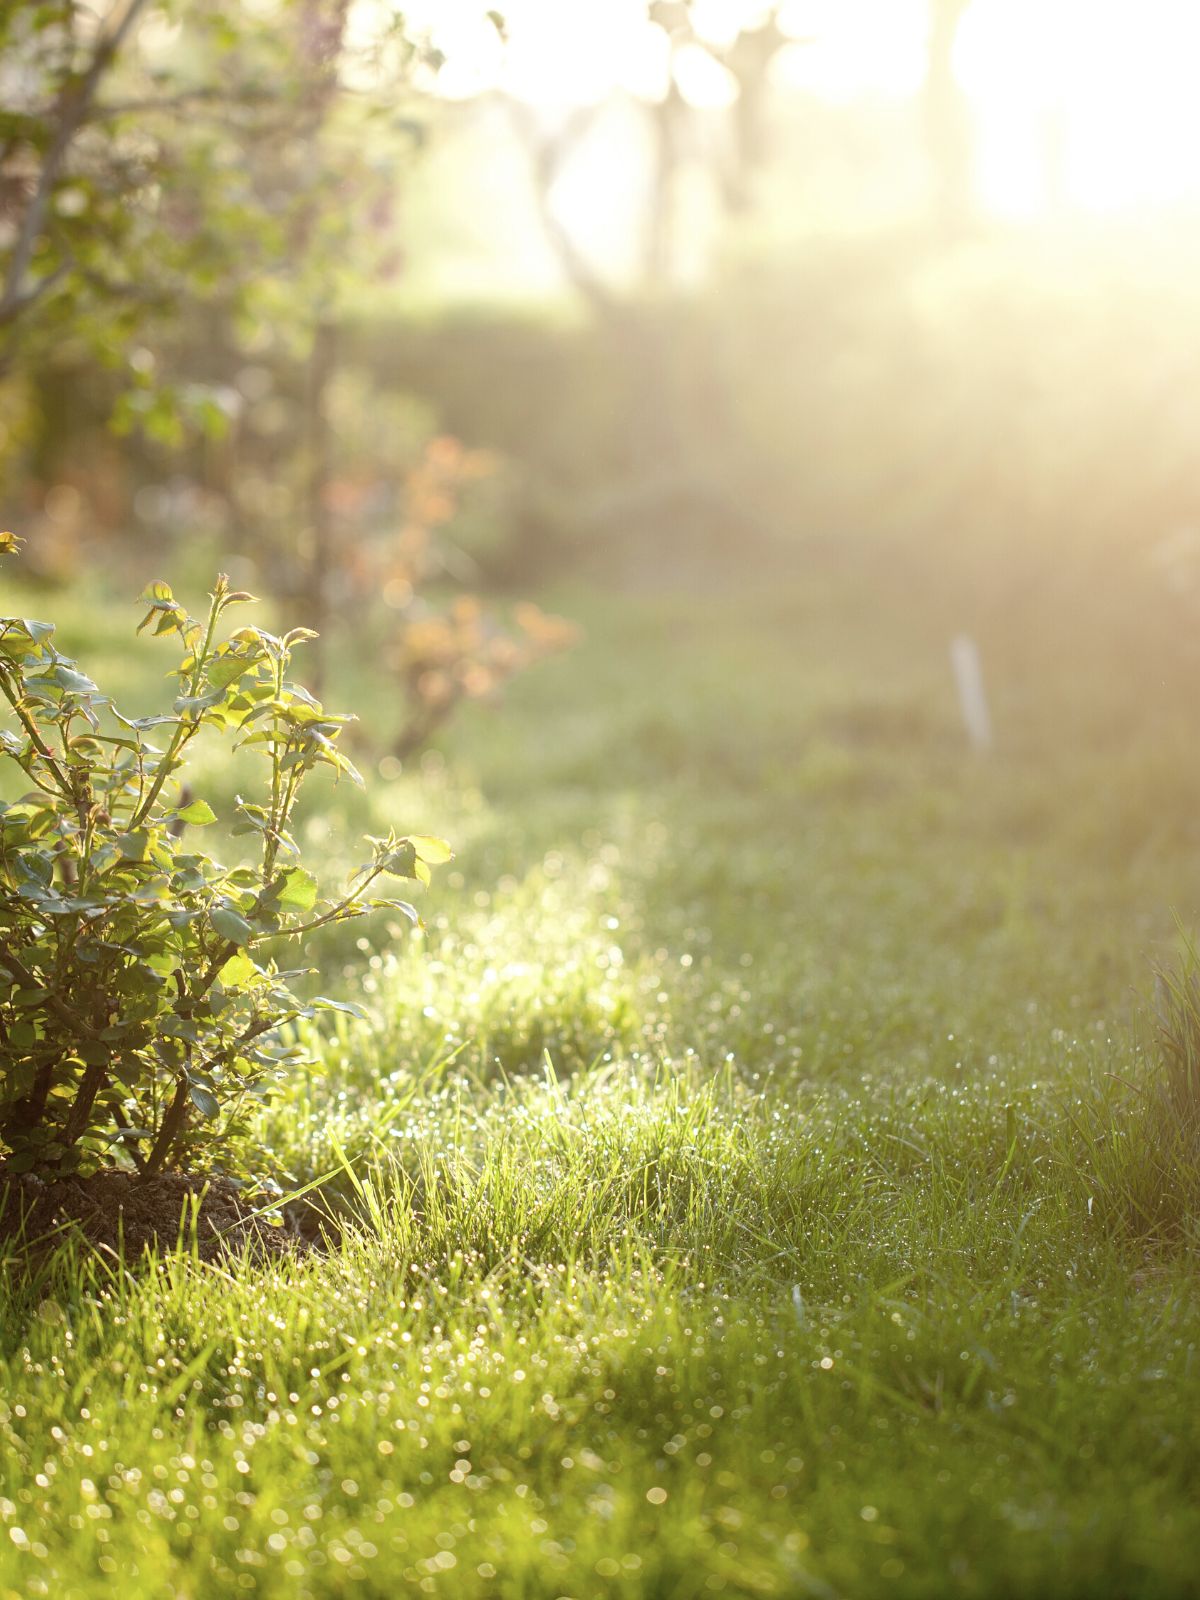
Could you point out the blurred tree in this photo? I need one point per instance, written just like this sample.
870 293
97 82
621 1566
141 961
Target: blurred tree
664 473
174 178
47 62
749 57
670 119
159 155
183 187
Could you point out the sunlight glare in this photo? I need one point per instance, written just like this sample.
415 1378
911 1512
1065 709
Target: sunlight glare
846 49
702 80
1097 98
1082 103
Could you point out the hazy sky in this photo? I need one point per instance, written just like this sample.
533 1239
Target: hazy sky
1118 78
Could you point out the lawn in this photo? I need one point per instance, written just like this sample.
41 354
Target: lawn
754 1179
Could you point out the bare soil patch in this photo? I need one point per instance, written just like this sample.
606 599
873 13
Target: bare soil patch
117 1211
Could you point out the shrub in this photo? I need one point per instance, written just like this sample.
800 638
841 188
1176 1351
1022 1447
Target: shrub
462 653
442 654
140 1005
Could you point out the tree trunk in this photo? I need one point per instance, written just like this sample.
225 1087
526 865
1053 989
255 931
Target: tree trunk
948 122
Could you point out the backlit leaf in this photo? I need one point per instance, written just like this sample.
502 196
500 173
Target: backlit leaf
435 851
231 925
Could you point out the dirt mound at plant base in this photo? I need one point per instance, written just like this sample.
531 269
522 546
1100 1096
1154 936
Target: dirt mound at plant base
120 1210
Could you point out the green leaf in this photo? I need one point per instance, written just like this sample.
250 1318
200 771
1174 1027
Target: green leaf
179 1028
231 925
299 890
222 673
188 704
142 723
74 682
435 851
401 862
205 1102
345 1006
196 815
402 906
238 971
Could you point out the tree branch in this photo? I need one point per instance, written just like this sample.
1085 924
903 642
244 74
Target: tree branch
14 306
73 106
547 157
202 94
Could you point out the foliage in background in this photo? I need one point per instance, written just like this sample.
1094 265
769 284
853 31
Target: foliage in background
156 156
463 653
444 654
139 1002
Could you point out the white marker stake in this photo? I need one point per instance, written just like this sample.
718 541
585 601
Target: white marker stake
968 677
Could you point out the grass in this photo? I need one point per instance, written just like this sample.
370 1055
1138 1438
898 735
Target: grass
757 1174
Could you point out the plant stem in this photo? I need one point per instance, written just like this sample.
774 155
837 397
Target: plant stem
172 1126
30 1110
122 1121
35 738
94 1079
332 915
271 836
184 730
29 981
